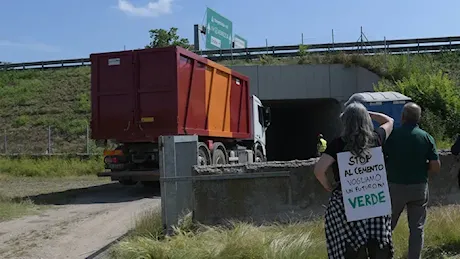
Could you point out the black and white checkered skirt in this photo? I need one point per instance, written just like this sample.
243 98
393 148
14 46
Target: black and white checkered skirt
340 233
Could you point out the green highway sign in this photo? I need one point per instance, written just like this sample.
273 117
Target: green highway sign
239 42
219 31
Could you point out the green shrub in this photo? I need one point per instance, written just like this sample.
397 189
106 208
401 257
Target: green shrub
437 94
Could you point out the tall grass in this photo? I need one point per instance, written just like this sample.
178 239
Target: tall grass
10 209
51 167
33 100
295 240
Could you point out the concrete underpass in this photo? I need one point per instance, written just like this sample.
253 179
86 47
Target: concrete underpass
296 125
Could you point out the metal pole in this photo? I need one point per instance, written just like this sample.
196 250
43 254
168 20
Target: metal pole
231 51
49 139
301 40
333 39
362 40
385 51
196 37
87 139
5 142
266 44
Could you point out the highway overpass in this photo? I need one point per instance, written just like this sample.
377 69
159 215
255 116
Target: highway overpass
305 100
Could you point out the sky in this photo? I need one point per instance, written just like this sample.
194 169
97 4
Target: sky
36 30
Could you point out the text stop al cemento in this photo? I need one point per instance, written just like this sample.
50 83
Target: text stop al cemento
364 185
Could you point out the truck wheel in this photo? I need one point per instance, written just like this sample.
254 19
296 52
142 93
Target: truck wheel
127 182
204 155
218 157
259 156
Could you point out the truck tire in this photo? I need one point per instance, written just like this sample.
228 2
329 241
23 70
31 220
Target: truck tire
127 182
218 157
259 156
204 155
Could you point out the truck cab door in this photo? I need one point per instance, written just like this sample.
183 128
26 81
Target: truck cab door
259 125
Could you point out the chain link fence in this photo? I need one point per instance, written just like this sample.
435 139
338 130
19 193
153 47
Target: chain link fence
42 140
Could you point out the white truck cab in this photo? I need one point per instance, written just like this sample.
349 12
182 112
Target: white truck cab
261 119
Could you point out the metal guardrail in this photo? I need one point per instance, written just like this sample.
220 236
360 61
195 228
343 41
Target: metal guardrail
421 45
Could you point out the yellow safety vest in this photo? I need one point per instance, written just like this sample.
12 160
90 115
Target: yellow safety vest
322 145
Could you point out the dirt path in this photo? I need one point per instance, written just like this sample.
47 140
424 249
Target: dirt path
84 221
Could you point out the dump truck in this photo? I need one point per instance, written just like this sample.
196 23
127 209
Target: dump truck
139 95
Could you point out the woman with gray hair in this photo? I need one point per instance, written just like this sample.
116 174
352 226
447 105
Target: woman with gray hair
362 238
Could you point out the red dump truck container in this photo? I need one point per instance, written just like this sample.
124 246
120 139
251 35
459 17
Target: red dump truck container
139 95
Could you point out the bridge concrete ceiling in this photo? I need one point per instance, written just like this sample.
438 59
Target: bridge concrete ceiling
282 82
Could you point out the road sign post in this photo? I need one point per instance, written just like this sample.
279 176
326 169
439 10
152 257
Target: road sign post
219 31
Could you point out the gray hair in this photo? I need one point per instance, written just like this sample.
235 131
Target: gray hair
358 130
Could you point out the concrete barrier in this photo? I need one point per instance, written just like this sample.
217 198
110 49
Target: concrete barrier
270 194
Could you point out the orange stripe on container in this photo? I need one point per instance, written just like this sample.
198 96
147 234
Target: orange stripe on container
217 102
219 67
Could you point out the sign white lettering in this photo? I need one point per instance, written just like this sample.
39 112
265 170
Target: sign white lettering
239 43
114 61
364 185
216 42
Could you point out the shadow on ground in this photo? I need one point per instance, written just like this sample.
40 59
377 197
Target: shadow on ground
107 193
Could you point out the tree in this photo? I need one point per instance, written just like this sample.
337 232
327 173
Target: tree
163 38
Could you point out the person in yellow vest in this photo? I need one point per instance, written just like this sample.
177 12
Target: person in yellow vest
321 146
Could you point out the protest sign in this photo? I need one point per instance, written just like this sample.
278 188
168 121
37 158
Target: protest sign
364 185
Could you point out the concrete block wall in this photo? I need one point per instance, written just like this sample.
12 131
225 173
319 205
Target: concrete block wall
296 196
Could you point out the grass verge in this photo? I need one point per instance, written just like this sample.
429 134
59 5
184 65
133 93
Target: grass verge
296 240
50 167
25 177
10 209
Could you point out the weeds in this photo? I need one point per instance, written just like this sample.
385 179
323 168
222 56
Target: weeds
295 240
10 209
32 100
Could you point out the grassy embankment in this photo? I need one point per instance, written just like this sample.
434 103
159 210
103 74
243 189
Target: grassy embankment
296 240
32 100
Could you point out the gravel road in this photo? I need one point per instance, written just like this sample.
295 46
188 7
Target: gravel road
83 221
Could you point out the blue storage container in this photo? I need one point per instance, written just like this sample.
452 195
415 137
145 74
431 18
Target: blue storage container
389 103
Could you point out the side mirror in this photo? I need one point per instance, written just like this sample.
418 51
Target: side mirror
267 117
